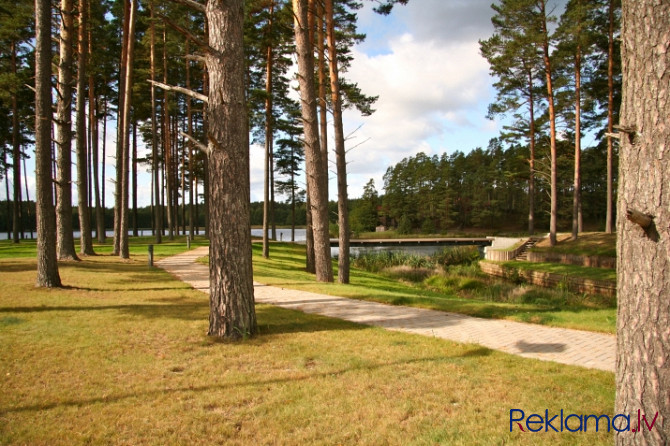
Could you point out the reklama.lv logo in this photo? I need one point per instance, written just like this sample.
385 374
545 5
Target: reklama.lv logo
577 422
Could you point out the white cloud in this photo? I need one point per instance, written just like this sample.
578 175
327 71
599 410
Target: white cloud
427 91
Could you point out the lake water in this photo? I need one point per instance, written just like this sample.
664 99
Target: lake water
284 234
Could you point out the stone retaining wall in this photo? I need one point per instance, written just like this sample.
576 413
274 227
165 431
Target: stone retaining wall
550 280
569 259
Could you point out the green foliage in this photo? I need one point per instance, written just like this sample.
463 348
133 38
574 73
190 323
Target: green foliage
460 255
404 225
364 215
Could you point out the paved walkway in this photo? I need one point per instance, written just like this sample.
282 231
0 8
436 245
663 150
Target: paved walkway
575 347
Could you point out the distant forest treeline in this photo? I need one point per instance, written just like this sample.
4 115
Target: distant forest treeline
488 188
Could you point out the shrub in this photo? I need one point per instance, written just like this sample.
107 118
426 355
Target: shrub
460 255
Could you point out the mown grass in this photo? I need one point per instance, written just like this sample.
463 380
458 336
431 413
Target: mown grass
138 246
465 290
120 356
587 244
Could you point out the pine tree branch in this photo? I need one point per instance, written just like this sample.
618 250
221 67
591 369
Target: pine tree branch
188 34
192 4
196 57
186 91
197 143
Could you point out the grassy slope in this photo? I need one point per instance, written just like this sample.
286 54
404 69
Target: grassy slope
285 268
566 270
587 244
120 356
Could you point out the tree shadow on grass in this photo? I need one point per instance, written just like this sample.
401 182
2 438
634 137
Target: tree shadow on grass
17 267
185 311
302 376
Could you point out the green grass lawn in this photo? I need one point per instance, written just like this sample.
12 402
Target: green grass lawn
474 296
138 246
120 356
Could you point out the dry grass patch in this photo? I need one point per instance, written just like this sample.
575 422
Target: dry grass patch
121 357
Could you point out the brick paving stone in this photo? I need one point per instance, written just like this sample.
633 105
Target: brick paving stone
566 346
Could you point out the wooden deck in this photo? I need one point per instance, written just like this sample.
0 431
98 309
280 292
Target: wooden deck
477 241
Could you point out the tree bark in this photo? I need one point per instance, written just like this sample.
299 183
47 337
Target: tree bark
315 164
16 156
232 312
577 185
167 146
124 251
610 119
643 254
120 126
25 183
155 164
93 128
191 164
323 104
47 264
552 124
268 140
531 161
340 153
65 242
85 238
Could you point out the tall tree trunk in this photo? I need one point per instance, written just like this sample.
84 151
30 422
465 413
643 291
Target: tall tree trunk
85 238
136 231
310 257
531 161
268 137
65 242
205 131
155 164
28 213
93 129
643 242
47 264
120 126
16 156
104 159
232 313
552 124
310 262
125 158
191 164
8 223
577 186
323 80
610 119
340 153
316 171
184 148
167 146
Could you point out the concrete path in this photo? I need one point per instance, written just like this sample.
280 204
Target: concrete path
574 347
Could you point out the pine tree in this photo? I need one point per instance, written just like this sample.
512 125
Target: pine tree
643 224
66 250
47 264
315 165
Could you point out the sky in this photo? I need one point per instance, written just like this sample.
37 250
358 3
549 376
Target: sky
434 88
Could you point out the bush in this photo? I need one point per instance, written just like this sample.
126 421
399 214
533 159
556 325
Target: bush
460 255
428 226
405 225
